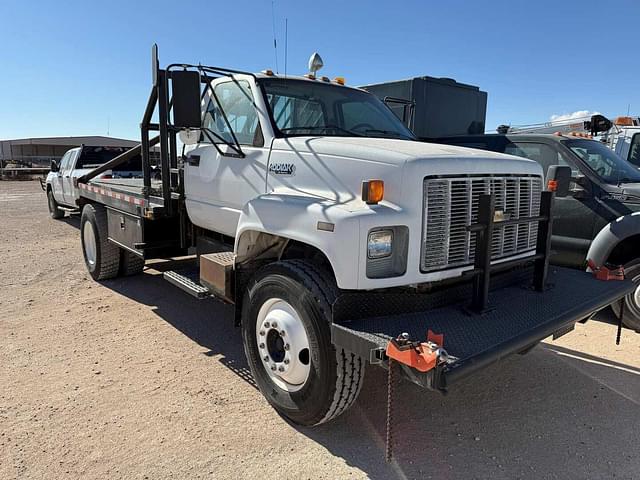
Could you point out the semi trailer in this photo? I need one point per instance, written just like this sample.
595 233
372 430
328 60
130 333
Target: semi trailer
342 241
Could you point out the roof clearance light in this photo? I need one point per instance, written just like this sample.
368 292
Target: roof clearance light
372 191
268 72
310 76
339 80
558 134
325 79
624 121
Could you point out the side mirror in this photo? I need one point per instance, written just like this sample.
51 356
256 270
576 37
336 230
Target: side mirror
54 166
185 99
559 180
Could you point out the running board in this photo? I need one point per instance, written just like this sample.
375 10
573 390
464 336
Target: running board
184 282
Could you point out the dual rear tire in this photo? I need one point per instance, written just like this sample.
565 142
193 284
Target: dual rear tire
104 259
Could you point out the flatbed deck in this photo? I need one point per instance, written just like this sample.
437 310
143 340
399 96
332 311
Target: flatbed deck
518 318
127 194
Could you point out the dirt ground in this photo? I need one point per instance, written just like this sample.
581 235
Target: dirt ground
135 379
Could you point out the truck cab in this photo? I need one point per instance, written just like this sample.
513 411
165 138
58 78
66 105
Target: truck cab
307 147
627 144
600 219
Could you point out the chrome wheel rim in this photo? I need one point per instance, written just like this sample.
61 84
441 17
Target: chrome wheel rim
633 298
89 241
283 344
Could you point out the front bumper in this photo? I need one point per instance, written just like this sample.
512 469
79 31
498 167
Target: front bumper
518 316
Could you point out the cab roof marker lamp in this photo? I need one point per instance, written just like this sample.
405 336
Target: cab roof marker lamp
339 80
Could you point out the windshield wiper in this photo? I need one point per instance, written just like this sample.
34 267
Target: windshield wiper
388 132
321 127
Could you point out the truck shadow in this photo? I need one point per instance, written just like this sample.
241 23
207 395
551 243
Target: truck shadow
554 413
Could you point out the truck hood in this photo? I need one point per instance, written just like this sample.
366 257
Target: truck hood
335 167
388 150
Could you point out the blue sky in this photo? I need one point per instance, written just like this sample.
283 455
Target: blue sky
82 67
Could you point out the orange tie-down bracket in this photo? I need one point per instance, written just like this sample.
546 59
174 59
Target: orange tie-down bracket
423 356
606 272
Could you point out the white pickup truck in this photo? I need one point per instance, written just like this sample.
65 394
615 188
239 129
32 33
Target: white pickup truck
62 193
340 239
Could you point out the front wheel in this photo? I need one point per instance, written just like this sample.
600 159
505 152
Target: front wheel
287 340
54 209
631 316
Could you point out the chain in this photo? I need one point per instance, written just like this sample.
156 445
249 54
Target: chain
619 333
390 392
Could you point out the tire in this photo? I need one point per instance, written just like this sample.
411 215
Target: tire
631 317
101 257
130 263
333 376
54 210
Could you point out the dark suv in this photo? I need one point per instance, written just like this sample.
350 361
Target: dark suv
600 218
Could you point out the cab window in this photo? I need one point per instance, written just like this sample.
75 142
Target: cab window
236 101
542 153
634 150
65 162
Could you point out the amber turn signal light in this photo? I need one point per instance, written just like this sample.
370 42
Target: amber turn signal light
552 185
372 191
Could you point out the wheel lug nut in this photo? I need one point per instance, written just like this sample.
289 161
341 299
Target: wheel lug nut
261 345
282 333
266 358
286 361
274 325
273 367
286 346
281 369
262 332
266 325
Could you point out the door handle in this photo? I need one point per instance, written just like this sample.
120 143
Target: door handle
192 160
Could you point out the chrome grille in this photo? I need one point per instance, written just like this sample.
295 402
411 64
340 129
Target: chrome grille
451 204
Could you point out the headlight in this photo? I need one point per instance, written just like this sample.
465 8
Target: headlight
379 244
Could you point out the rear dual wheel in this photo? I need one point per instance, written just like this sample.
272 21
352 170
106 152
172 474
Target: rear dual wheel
287 340
104 259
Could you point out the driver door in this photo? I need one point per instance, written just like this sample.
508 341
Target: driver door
574 216
218 184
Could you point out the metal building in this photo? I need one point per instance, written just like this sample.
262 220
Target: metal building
38 152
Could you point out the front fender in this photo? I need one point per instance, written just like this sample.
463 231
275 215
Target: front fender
296 217
611 235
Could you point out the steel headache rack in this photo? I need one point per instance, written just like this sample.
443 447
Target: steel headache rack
496 310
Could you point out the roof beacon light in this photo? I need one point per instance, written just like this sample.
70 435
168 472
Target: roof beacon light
315 63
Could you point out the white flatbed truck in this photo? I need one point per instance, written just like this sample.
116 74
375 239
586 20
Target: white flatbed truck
341 241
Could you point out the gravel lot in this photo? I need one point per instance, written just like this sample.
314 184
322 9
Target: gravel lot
135 379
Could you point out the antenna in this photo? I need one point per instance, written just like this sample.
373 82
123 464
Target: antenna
108 124
286 42
273 22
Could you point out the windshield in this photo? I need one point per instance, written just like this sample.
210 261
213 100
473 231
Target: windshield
302 107
604 162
